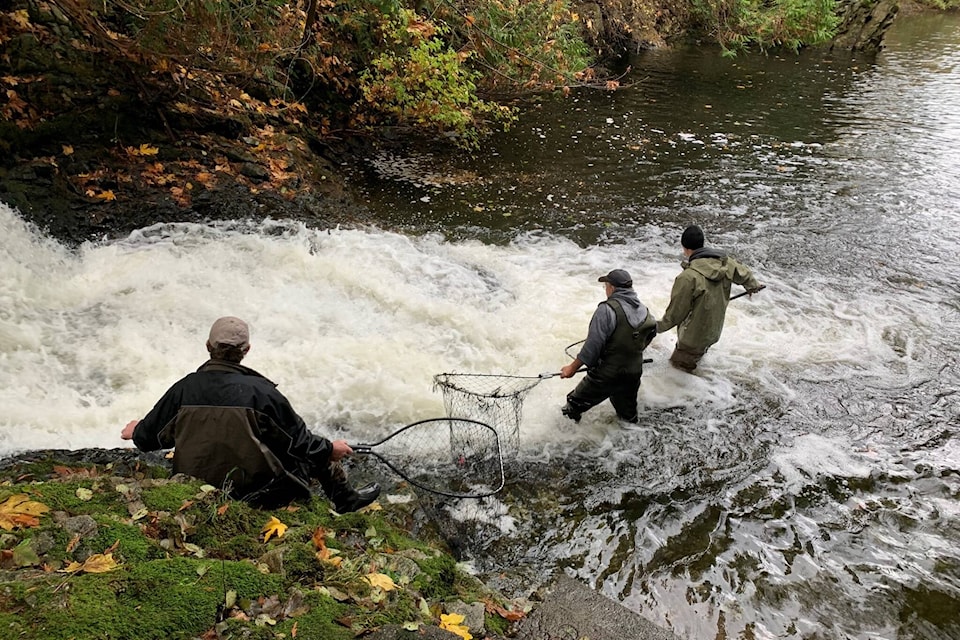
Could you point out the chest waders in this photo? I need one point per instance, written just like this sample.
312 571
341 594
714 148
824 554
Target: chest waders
617 374
623 353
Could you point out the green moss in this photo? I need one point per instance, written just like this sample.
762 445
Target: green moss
169 496
179 597
62 496
496 624
438 577
131 545
320 620
300 564
164 591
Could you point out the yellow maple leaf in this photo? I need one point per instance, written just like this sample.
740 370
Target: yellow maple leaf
97 563
107 195
381 580
453 622
273 527
21 17
20 511
147 150
67 150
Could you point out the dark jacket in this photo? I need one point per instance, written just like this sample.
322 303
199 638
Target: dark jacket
233 429
603 325
699 298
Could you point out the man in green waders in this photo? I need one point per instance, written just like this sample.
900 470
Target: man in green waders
620 329
698 301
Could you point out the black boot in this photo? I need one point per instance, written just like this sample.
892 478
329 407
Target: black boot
570 412
350 499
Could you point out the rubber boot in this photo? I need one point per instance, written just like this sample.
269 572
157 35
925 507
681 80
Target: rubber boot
345 498
570 412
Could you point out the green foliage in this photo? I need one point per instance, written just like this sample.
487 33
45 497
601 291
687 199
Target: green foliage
420 81
534 44
739 24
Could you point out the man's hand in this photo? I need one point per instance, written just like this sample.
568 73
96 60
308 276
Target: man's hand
339 449
570 369
127 433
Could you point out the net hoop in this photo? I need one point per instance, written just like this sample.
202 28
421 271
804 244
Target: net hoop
494 399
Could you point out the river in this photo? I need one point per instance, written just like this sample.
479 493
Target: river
804 484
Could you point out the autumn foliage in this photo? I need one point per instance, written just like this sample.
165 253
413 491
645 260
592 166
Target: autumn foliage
187 96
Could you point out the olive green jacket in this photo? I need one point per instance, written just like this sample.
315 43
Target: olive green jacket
698 301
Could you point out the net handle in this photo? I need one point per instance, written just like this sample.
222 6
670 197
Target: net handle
368 449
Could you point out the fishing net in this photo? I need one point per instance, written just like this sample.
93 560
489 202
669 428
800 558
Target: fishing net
496 400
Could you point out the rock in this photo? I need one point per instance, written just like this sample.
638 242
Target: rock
473 614
571 609
395 632
83 526
863 24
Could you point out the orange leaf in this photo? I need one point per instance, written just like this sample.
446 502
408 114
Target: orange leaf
20 511
319 538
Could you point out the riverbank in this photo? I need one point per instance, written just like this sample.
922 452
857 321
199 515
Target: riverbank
102 544
99 140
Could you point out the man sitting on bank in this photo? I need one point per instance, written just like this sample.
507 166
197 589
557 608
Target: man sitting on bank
233 429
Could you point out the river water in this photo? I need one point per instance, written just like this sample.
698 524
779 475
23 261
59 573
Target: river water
805 483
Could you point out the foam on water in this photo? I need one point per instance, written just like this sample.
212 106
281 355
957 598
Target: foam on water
813 455
353 324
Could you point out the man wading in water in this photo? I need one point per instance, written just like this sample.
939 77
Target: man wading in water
620 329
698 301
233 429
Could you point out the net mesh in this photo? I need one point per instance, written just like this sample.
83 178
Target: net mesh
451 456
496 400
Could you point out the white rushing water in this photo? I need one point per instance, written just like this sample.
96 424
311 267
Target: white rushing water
354 324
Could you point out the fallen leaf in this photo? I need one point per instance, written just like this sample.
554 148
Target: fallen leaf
67 150
381 580
97 563
273 527
453 622
20 511
21 17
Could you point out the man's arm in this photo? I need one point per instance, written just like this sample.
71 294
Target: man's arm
292 438
681 302
743 276
602 324
147 434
